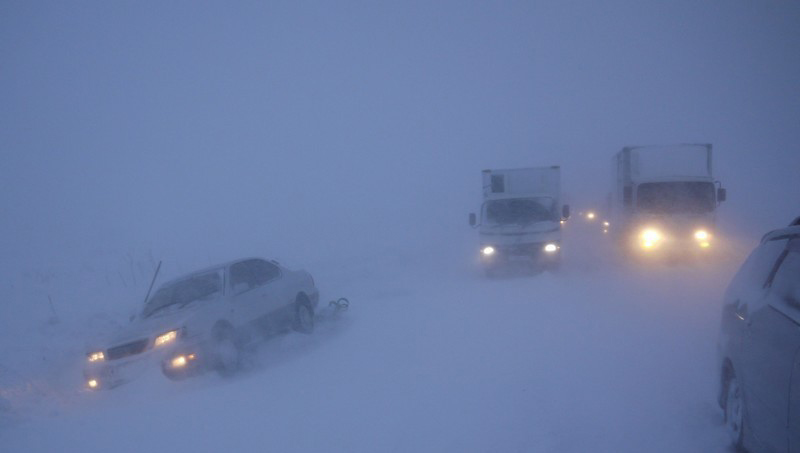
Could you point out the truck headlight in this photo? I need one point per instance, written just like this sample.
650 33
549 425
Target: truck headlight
551 248
166 337
703 238
650 237
98 356
488 250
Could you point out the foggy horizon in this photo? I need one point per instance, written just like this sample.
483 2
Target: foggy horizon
147 127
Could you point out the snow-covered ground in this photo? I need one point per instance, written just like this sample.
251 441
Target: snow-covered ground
432 356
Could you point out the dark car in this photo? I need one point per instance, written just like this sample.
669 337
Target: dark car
759 347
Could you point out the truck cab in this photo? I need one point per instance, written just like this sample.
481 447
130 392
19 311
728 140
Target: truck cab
520 217
665 199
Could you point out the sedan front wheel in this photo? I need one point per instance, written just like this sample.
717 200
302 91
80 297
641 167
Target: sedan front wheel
734 411
226 354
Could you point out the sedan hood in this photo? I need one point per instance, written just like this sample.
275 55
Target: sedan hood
141 328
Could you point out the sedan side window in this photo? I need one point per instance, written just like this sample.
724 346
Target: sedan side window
264 271
242 277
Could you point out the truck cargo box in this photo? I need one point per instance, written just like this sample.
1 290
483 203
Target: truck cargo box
545 181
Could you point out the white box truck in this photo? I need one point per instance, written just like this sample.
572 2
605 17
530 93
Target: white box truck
520 218
664 199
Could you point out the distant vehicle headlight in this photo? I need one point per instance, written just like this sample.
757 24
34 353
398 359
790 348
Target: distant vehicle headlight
551 248
590 215
92 384
488 250
701 235
165 338
98 356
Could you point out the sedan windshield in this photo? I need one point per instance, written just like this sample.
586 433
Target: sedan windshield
676 197
519 211
180 293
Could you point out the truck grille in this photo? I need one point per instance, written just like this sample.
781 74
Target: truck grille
521 249
127 349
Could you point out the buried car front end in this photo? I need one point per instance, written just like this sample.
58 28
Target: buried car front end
126 359
174 350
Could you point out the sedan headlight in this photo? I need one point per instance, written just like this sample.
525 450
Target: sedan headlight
551 248
165 338
98 356
488 250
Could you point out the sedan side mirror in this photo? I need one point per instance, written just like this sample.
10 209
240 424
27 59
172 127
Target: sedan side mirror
472 219
722 194
565 211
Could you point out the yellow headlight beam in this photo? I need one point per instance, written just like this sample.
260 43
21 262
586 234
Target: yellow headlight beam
92 383
650 237
96 356
182 360
179 362
165 338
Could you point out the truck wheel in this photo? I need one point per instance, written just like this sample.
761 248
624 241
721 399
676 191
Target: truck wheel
554 266
734 410
490 270
303 317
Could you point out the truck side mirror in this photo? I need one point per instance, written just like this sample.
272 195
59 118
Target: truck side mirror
565 211
472 219
722 194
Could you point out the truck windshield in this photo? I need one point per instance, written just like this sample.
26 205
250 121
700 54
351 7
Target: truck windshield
676 197
519 211
182 292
